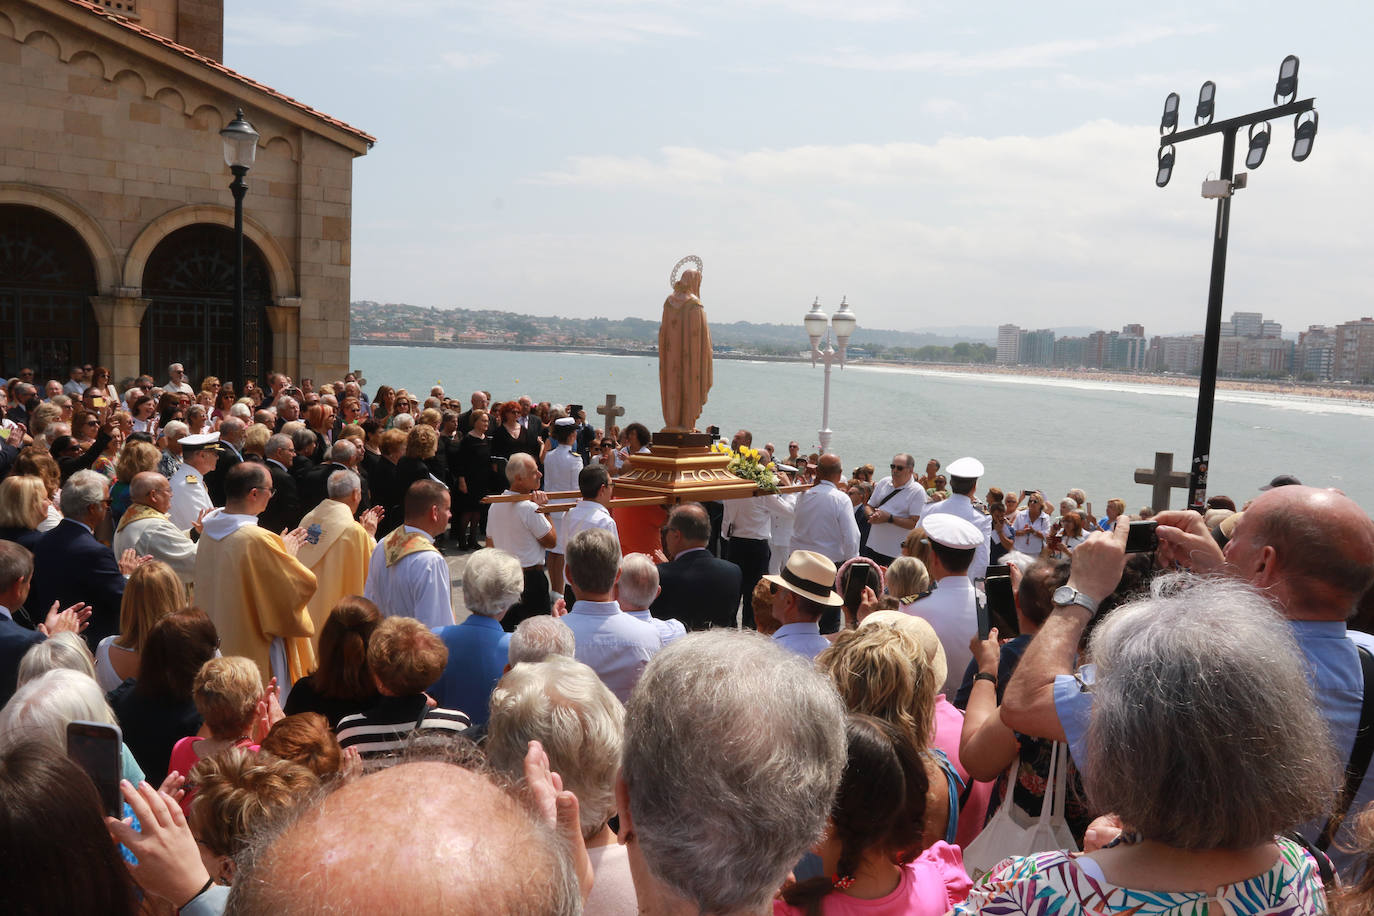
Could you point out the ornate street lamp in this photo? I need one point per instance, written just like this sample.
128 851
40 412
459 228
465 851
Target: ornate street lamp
819 325
240 148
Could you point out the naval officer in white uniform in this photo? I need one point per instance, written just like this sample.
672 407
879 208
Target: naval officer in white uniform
963 481
199 454
952 608
561 467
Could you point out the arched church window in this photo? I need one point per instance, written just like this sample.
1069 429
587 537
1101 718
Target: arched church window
47 277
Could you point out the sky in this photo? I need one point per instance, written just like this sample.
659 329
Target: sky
938 163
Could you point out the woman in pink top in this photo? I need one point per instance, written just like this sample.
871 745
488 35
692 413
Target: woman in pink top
226 693
877 813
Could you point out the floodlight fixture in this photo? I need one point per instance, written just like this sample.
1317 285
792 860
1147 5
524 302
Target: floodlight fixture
1166 166
1206 104
1304 134
1286 87
1259 144
1168 122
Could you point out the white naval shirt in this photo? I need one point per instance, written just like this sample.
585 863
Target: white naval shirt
962 507
952 610
886 537
561 467
189 496
824 523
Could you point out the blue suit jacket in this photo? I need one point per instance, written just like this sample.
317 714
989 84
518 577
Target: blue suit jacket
14 642
698 589
70 565
478 649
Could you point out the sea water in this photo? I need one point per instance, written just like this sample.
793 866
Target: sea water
1047 433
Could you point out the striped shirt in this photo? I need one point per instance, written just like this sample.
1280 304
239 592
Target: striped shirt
386 726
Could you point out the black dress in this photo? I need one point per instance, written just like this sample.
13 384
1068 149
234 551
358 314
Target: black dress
151 725
473 466
386 495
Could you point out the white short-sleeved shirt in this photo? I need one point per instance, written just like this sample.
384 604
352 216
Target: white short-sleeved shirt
886 538
588 513
1029 543
516 528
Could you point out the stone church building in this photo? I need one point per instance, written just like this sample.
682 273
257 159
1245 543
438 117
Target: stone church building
116 220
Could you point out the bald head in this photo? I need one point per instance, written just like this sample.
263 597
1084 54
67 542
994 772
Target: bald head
829 467
145 484
1312 549
438 839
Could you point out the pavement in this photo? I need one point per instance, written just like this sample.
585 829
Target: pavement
457 559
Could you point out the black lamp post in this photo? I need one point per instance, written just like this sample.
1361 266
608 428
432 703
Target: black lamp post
240 147
1257 125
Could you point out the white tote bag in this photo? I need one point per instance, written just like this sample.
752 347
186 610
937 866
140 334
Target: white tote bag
1013 832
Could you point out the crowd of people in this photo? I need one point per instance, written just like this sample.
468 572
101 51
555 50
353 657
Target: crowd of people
847 696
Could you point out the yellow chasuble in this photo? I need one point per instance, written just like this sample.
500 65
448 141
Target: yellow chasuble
137 513
338 550
402 543
255 591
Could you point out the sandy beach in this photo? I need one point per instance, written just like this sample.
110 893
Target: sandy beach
1358 393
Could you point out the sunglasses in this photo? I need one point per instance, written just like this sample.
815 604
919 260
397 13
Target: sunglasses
898 467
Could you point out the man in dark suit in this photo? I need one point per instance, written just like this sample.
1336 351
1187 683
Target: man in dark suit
699 589
284 512
16 574
231 434
71 566
314 484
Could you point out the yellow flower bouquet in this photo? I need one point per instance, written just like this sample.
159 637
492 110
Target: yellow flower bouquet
750 464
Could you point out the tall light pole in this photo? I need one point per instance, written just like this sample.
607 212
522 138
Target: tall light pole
1257 126
240 148
818 325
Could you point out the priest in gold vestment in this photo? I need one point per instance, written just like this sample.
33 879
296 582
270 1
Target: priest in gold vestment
338 547
250 583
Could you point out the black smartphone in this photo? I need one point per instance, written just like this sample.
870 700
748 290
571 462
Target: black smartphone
96 747
1001 605
854 586
1142 537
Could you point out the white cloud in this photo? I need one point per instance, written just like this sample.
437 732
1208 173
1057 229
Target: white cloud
470 60
944 108
1060 229
1042 55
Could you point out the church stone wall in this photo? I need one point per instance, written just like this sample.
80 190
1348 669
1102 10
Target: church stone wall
101 125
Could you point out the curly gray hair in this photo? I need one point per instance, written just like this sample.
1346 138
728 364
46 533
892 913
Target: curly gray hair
1205 733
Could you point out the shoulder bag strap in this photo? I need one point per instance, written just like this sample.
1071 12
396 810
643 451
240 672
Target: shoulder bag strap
1360 754
424 711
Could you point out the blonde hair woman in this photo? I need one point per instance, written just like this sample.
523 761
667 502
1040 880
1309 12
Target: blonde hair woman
226 692
23 507
152 592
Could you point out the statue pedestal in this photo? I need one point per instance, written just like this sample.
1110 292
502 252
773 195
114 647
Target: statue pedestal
679 467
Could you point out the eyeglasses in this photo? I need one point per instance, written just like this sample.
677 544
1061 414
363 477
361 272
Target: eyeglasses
898 467
270 490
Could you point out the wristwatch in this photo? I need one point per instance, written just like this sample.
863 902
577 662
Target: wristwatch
1066 595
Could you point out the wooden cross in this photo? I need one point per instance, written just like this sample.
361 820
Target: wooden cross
1163 478
610 411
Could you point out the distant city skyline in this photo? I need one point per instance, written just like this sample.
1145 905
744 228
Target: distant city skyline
936 167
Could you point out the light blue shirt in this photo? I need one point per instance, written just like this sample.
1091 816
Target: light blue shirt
613 644
1333 664
478 649
802 638
668 630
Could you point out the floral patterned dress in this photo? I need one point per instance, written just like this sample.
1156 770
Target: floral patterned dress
1054 884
